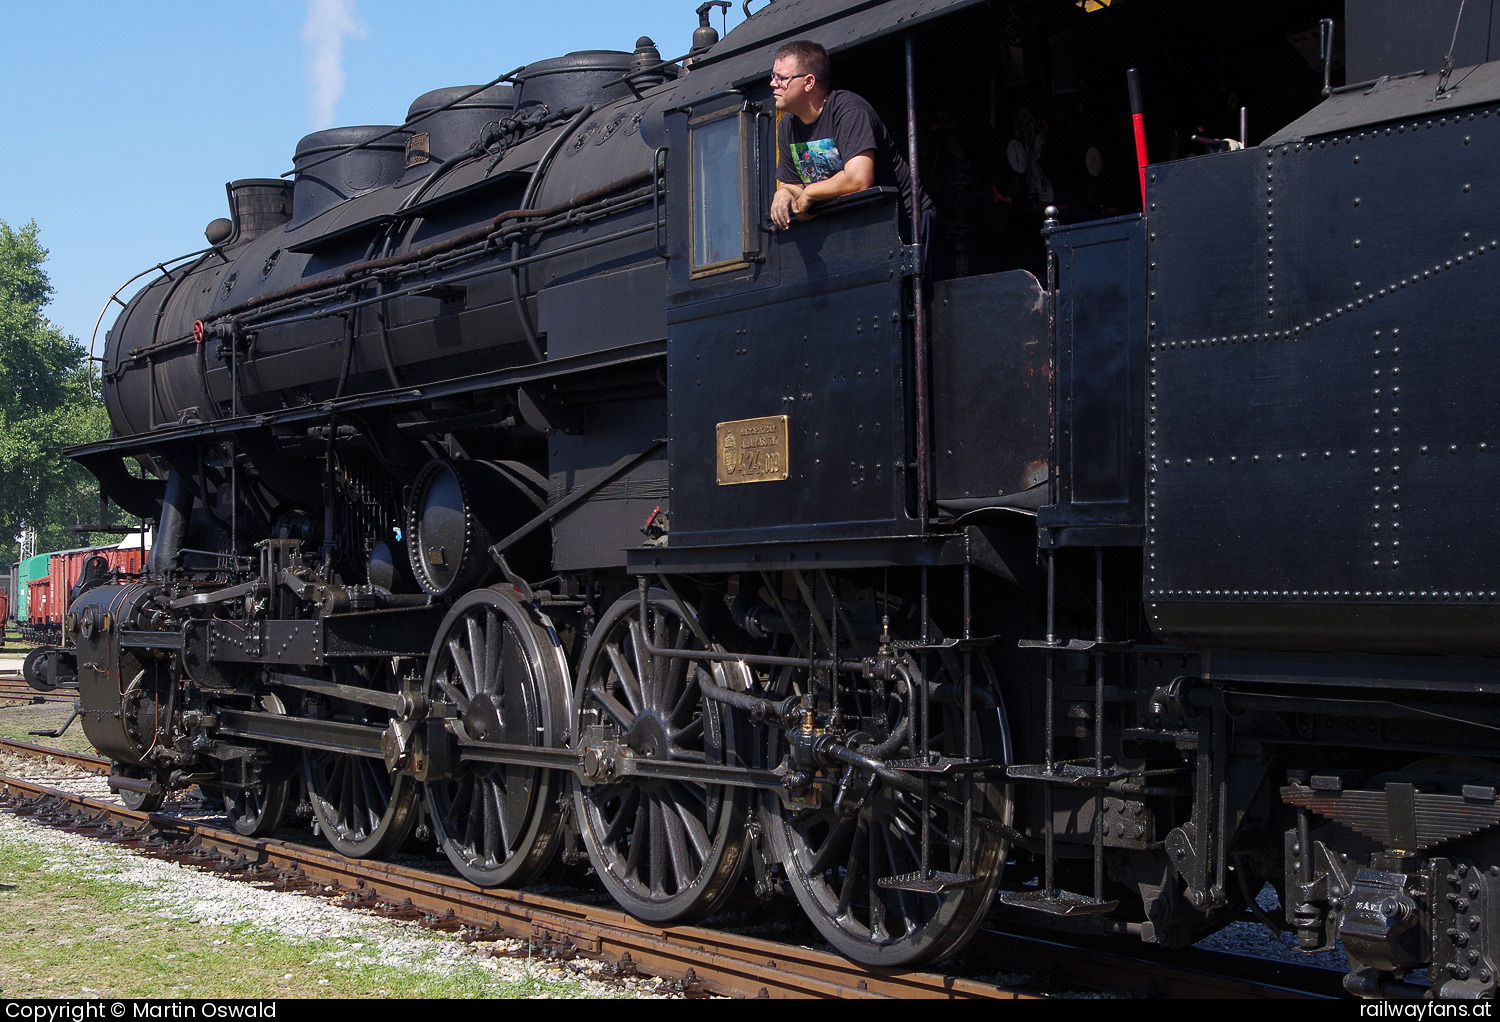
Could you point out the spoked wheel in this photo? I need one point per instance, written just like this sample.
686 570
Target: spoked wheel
667 850
256 810
852 857
502 670
362 810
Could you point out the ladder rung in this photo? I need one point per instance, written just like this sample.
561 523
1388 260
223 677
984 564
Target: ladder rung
1064 773
932 882
1056 903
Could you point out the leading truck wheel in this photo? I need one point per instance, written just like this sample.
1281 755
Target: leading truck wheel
256 809
498 664
139 801
667 850
362 811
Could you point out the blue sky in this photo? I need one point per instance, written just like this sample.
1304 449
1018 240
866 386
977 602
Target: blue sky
127 119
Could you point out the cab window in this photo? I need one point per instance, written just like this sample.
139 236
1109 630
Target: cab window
723 226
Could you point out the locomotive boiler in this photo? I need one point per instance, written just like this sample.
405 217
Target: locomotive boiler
1110 560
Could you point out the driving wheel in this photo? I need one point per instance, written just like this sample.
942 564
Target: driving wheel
500 666
666 849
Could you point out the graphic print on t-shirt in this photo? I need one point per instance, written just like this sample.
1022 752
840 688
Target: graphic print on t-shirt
817 160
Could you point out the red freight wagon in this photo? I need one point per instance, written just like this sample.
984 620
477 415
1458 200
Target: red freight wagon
49 594
38 601
121 562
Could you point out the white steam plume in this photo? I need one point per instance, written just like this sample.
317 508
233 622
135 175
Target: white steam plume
328 23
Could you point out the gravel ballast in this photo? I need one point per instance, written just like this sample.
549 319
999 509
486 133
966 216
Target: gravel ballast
215 926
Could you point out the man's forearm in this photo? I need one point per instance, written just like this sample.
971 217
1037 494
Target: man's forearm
830 187
857 174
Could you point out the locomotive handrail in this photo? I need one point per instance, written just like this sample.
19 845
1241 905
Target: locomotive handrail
480 239
115 297
920 411
334 290
480 234
468 275
759 172
656 173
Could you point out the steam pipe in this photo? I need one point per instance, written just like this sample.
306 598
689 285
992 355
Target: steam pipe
515 247
176 505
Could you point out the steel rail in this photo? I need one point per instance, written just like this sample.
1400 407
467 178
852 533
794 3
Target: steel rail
704 960
15 689
83 760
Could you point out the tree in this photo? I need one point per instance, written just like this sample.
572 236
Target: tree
45 405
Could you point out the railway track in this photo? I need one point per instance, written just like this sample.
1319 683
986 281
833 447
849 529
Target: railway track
700 961
30 750
13 687
20 692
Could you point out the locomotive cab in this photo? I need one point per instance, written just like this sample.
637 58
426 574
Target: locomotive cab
802 363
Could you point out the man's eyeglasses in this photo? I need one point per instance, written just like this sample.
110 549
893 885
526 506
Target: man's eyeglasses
777 79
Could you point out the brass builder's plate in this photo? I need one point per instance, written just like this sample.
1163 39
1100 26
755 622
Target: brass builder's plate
752 450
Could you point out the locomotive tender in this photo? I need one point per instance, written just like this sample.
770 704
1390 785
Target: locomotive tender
1101 565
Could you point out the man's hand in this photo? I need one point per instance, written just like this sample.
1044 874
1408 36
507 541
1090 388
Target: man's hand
782 205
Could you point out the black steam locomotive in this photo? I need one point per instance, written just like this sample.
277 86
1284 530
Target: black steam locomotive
1101 563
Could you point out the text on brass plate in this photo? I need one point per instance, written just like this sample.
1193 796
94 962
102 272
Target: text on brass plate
753 450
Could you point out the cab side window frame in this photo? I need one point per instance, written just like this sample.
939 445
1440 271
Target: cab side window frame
724 206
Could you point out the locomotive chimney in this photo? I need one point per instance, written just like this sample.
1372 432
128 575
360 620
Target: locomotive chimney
256 205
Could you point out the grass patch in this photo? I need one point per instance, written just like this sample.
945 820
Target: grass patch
81 919
18 720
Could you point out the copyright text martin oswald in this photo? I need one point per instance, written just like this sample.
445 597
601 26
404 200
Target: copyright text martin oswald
79 1011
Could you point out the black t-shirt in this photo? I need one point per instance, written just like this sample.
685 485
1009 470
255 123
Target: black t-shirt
846 127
